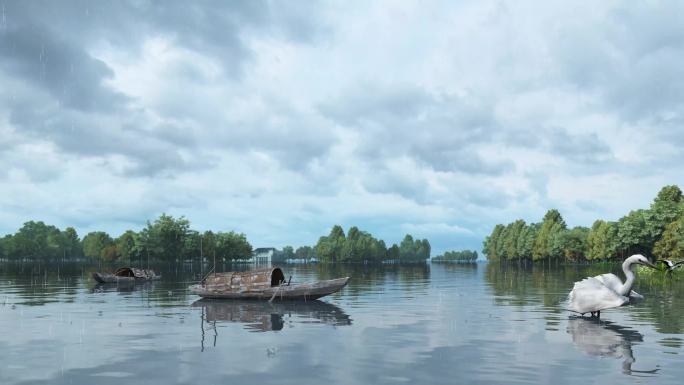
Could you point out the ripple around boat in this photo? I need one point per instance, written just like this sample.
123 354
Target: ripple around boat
268 283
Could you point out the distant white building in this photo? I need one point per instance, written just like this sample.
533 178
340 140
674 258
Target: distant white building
263 254
266 255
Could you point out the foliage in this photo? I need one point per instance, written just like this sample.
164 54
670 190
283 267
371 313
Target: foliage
288 252
232 246
671 244
305 253
457 256
94 243
413 250
602 242
361 246
658 230
546 245
633 235
165 239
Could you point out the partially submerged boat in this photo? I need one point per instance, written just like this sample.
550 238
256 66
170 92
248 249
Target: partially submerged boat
127 275
268 283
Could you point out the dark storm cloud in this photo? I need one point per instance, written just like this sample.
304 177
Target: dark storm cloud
64 98
70 75
213 28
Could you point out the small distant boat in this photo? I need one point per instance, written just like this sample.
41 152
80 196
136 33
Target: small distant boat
128 275
268 283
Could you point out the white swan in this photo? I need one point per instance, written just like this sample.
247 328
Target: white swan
605 291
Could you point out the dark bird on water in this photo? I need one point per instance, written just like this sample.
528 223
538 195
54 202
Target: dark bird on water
671 265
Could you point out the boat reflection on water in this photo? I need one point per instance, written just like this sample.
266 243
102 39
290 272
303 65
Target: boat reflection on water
262 316
600 338
123 286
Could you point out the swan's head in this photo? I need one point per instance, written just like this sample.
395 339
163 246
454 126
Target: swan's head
641 260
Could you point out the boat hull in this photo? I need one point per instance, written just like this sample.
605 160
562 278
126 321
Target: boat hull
111 278
302 291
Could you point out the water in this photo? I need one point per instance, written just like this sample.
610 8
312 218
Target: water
431 324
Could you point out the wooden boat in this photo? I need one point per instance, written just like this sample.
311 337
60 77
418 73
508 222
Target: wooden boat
127 275
268 283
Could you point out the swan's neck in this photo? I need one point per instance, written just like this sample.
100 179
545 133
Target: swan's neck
629 279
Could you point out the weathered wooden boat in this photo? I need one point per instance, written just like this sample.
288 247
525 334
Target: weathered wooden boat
127 275
268 283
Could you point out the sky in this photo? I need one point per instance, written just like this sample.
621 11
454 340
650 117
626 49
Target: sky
280 119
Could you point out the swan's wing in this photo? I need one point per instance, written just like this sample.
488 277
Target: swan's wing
591 294
611 281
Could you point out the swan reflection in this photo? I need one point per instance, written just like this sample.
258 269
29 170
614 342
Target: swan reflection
606 339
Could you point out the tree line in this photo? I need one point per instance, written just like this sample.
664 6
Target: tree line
655 232
165 239
457 256
172 239
361 246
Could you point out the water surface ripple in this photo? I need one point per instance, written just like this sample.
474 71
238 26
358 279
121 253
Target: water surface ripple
434 324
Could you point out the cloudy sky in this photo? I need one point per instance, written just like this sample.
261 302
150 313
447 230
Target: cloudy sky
281 118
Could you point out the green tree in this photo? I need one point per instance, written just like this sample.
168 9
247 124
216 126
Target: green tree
633 235
526 240
192 243
95 242
602 241
574 243
305 252
232 246
407 249
671 244
489 246
208 245
288 252
110 253
513 232
457 256
164 239
552 224
665 209
125 245
31 240
329 249
393 253
72 244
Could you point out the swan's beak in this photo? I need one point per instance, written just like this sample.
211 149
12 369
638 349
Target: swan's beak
649 264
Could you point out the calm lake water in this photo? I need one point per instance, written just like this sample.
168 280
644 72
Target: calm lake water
428 324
